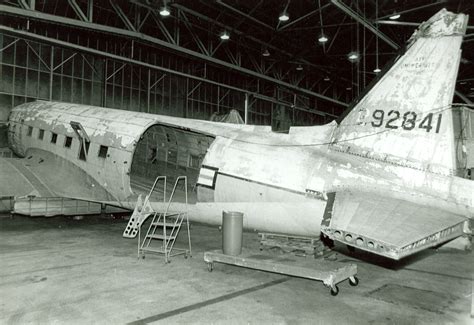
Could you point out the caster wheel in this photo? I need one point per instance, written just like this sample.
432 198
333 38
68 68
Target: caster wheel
334 291
210 267
143 257
353 281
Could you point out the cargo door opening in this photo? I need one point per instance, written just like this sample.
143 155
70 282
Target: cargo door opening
170 152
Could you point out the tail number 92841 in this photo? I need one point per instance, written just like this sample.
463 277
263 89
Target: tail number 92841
409 120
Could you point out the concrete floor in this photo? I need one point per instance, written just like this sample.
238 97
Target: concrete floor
61 271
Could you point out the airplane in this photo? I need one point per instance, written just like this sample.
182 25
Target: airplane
383 179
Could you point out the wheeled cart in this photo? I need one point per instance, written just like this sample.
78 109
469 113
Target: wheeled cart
330 273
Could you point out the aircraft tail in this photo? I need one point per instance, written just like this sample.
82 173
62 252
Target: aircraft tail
406 117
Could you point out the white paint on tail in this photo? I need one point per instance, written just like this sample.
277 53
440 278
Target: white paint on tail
406 117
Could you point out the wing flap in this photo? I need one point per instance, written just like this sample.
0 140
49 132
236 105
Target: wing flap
389 227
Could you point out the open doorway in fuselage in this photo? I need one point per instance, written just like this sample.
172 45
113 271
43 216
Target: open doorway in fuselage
171 152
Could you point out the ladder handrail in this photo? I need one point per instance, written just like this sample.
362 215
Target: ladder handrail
147 198
174 190
187 217
168 206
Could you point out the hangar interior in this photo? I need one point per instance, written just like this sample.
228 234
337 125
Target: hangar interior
124 54
279 63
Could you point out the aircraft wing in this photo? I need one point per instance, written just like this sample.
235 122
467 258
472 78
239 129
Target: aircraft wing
386 226
44 174
13 182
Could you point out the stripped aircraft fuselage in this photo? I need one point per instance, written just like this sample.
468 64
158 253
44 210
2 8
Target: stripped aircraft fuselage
382 180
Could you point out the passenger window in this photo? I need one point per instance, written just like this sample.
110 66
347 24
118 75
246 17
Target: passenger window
82 153
68 142
30 131
41 134
54 138
103 151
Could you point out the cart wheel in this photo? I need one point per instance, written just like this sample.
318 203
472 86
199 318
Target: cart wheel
143 256
334 291
210 267
353 281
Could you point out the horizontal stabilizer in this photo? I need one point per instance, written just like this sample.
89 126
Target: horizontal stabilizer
386 226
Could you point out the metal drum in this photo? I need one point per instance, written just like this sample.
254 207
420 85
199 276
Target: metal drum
232 224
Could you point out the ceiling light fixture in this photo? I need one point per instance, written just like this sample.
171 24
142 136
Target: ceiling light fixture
299 67
164 11
353 56
326 78
224 36
348 88
284 16
377 69
394 16
322 39
266 53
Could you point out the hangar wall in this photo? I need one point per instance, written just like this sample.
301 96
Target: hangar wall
33 70
86 79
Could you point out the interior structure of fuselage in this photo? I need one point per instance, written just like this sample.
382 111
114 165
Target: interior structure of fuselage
170 152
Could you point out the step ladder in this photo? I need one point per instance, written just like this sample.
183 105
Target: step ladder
165 226
143 210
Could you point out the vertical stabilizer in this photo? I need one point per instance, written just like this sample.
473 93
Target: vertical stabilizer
406 117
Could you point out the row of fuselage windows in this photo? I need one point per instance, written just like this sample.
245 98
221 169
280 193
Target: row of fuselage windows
83 151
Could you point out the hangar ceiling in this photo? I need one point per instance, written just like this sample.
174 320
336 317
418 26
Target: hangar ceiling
262 53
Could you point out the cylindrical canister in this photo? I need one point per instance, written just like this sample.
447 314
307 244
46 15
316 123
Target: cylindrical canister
232 225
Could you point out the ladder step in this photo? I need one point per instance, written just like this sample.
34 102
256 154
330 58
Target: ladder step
174 214
161 223
156 236
154 250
